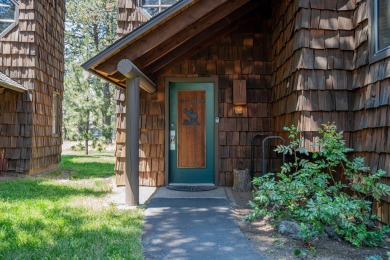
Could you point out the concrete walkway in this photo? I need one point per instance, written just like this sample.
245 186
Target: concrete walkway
194 225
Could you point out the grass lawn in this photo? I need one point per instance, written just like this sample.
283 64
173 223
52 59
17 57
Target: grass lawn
44 218
88 166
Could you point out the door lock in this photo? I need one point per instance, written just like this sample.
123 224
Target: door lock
172 138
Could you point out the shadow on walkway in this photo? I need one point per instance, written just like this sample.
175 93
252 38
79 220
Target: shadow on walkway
194 228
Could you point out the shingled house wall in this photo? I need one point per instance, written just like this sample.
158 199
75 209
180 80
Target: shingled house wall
240 54
129 17
316 70
313 65
32 55
371 103
322 73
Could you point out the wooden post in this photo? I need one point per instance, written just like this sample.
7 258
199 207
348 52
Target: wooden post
135 80
132 141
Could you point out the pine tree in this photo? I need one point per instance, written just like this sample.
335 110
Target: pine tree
88 101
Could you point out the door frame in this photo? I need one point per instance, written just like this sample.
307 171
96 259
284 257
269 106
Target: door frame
170 80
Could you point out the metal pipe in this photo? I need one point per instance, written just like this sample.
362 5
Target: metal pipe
264 168
132 141
128 69
135 80
252 170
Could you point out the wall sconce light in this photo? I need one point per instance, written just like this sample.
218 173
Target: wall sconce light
239 96
237 110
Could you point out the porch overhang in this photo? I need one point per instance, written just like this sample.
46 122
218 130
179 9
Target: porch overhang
135 61
6 82
170 37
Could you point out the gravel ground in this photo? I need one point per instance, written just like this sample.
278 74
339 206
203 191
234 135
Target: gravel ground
276 246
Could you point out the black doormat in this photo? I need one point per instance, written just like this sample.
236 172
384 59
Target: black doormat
191 188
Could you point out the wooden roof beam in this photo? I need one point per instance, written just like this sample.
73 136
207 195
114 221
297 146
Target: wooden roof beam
203 24
167 30
187 49
129 70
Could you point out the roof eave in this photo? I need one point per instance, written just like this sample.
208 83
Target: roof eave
7 82
17 88
105 78
139 31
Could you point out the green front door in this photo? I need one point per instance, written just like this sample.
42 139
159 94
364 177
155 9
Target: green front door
191 147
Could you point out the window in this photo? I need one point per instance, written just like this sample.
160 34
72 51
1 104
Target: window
8 15
380 42
154 7
55 115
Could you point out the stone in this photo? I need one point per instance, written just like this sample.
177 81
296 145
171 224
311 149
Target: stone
242 180
329 230
290 228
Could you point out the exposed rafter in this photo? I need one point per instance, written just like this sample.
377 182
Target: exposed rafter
158 47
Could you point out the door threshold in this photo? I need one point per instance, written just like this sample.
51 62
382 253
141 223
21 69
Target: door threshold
191 184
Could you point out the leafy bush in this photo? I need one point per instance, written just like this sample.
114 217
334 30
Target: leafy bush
309 190
98 144
78 147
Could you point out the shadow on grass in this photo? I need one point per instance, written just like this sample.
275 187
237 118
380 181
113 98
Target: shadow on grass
73 233
40 219
37 189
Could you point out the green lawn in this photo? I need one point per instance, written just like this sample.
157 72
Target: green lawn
42 218
88 166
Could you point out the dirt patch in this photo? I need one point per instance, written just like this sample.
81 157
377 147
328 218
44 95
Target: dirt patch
264 236
51 174
11 176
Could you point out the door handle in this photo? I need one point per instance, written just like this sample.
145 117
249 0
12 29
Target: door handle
172 138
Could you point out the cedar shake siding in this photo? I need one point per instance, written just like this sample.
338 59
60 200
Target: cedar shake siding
371 98
129 17
305 69
371 103
15 133
325 75
32 55
313 64
305 62
242 53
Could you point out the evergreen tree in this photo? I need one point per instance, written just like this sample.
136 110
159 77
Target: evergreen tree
88 101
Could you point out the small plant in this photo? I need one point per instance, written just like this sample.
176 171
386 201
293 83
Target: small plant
308 189
312 249
297 252
100 147
78 147
54 173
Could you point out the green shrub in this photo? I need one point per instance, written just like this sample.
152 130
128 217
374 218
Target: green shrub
98 144
308 189
78 147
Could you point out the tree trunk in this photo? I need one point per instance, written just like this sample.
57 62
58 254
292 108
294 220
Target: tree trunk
106 115
65 131
96 36
87 134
